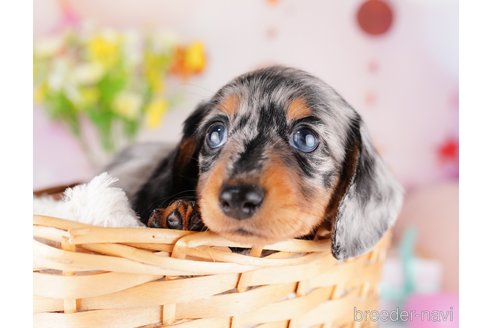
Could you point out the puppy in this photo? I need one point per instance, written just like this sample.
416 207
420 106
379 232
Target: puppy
275 154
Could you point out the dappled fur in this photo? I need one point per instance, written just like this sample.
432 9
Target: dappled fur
342 186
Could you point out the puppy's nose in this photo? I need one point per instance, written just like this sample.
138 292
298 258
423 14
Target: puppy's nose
240 201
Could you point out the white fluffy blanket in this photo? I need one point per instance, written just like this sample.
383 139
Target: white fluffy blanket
95 203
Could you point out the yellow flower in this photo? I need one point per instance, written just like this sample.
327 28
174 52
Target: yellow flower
155 80
90 95
195 57
40 93
104 47
153 70
155 110
189 60
127 104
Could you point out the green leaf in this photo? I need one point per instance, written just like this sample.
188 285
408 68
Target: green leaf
60 108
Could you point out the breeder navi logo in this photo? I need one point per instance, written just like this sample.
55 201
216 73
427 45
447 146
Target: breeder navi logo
403 315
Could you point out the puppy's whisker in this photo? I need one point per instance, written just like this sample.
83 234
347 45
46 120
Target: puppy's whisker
195 87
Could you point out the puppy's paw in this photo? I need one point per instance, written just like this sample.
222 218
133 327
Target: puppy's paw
179 215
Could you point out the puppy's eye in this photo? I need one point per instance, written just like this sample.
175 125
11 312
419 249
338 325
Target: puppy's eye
304 139
216 135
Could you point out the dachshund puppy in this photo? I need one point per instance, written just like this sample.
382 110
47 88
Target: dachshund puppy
275 154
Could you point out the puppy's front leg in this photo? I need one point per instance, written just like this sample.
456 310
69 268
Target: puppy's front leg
179 215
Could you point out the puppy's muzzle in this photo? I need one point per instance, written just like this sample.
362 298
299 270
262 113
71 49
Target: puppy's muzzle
240 201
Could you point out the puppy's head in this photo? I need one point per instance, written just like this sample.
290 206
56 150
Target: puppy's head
279 154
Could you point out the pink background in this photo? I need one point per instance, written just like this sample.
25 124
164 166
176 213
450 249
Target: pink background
404 82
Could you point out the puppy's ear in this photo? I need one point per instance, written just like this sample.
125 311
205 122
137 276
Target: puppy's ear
186 160
190 126
367 198
175 174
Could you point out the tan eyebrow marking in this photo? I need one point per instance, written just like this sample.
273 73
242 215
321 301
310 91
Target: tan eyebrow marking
298 109
229 105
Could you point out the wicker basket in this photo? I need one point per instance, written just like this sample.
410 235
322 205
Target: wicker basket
87 276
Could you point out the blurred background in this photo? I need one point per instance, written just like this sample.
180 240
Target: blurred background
108 73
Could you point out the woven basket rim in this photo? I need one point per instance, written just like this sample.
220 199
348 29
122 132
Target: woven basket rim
86 275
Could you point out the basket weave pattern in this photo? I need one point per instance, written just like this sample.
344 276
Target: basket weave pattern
87 276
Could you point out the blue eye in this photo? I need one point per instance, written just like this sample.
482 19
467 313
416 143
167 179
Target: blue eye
216 135
304 139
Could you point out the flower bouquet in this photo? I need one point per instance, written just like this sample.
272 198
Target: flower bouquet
115 80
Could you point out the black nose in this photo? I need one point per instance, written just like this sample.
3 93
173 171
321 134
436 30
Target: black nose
240 201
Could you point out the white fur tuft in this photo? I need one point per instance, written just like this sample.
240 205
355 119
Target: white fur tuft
95 203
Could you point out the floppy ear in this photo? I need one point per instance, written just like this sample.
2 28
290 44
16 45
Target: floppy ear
367 198
185 166
176 174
